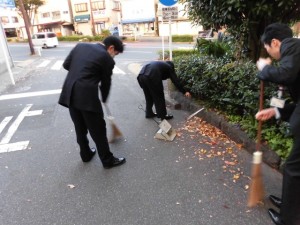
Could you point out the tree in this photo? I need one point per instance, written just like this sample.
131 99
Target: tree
31 7
27 7
245 20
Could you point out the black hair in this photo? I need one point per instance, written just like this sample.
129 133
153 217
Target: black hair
115 41
277 31
170 63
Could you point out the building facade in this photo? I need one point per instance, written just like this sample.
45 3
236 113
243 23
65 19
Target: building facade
91 17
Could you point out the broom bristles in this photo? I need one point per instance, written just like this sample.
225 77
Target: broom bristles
256 189
116 133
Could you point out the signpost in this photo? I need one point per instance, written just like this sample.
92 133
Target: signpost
169 13
168 2
7 3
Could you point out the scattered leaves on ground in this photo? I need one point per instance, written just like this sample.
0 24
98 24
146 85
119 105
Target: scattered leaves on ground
218 145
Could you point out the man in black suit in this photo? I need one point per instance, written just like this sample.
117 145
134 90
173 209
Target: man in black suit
280 45
151 79
90 68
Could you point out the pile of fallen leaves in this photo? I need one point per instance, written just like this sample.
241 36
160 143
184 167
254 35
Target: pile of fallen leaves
218 145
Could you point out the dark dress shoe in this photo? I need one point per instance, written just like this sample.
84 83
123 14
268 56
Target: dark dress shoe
275 216
115 162
152 115
87 156
167 117
275 201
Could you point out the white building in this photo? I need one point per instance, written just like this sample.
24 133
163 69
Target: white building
145 18
54 16
11 20
88 17
95 15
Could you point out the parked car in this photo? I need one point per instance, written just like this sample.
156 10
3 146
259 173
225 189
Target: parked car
45 39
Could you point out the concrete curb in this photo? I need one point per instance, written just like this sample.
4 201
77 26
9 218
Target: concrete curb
270 157
177 101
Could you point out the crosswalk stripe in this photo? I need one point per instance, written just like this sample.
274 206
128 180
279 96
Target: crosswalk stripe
57 65
44 63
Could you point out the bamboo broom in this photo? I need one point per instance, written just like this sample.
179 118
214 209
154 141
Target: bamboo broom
256 190
116 133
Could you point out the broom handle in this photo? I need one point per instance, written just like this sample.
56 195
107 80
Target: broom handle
107 109
261 105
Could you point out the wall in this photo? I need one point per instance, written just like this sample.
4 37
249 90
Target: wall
4 75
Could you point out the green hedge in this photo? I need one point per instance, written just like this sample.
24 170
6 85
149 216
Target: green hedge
177 53
82 38
182 38
233 89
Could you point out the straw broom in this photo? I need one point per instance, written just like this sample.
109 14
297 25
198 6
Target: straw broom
116 133
256 190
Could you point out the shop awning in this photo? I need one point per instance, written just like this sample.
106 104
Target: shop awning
82 18
67 24
101 20
141 20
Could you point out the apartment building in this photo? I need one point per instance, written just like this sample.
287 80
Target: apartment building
10 19
54 16
144 18
91 17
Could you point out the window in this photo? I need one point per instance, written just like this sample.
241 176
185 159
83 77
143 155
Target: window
14 19
45 15
4 19
40 36
56 15
82 7
65 12
116 5
50 35
98 5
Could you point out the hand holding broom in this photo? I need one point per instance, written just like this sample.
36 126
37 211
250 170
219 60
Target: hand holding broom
256 190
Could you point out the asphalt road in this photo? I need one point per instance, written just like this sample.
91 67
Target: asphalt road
162 183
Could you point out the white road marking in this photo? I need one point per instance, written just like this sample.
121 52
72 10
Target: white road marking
4 122
57 65
44 63
11 147
30 94
117 70
13 128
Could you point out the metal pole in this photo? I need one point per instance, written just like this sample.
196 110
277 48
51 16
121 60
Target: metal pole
170 40
162 39
6 56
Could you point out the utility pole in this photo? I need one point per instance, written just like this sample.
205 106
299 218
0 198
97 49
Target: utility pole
26 22
92 19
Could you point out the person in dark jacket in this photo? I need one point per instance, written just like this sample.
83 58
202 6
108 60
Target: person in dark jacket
90 68
280 45
150 79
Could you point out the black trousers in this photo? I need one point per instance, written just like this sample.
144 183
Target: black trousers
154 94
94 123
290 209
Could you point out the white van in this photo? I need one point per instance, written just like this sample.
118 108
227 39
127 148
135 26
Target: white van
45 39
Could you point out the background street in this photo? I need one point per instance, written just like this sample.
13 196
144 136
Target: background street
44 182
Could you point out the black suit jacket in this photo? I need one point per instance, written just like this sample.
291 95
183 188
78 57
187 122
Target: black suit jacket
90 68
157 71
287 74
